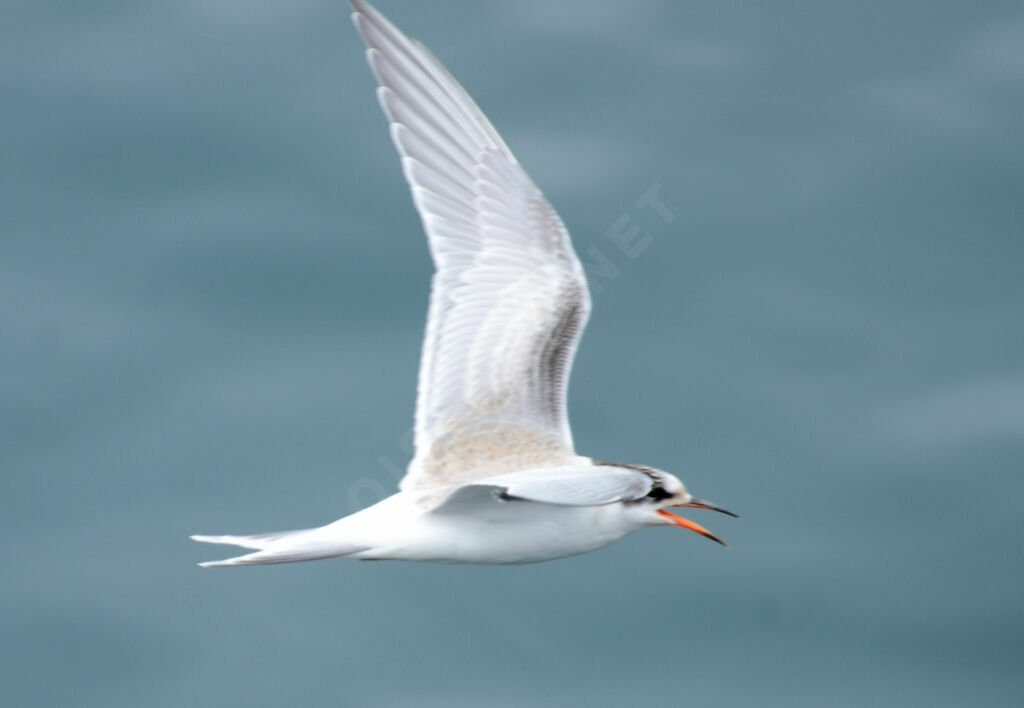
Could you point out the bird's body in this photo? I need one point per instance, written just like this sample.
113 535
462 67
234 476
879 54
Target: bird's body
495 477
476 523
396 529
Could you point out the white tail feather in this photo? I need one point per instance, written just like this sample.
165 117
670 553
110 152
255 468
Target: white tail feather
279 547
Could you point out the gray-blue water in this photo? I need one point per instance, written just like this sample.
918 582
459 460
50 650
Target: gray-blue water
213 286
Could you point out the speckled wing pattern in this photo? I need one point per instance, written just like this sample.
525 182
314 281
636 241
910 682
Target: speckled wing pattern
509 299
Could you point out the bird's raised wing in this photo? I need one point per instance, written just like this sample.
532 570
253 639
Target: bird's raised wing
509 299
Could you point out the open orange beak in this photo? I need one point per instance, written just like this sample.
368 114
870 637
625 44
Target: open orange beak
693 526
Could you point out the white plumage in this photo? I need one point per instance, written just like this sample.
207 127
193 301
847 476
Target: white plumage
495 478
509 299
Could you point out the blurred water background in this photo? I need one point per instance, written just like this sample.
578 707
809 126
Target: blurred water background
212 289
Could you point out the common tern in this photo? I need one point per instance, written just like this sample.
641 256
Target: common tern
495 477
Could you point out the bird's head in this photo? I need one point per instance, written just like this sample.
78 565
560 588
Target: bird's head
666 492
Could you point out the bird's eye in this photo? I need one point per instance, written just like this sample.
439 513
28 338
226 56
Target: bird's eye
658 493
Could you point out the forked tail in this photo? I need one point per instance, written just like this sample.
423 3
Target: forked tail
280 547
